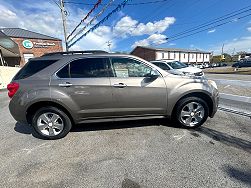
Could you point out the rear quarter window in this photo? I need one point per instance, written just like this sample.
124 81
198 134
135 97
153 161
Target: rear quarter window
33 67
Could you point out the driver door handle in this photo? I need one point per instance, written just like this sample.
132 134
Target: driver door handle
66 84
119 85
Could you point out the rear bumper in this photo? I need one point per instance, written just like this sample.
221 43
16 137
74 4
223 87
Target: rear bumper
18 112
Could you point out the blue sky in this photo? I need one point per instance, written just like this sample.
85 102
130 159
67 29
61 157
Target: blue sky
137 24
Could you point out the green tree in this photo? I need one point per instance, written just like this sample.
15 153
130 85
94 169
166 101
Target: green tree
216 59
228 58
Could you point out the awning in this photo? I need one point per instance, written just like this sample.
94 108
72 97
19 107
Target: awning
8 47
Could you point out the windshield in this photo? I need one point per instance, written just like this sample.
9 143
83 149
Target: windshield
161 65
177 65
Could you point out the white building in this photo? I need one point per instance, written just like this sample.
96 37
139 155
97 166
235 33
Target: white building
183 55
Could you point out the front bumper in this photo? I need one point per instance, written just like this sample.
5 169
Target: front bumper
215 100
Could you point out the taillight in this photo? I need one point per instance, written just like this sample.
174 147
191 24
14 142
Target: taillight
12 88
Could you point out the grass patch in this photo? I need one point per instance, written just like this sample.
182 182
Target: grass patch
228 70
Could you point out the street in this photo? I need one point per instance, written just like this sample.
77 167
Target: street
235 91
229 77
149 153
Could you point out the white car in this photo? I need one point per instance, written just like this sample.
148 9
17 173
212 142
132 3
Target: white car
177 67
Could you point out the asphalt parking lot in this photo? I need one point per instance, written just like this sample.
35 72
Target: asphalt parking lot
152 153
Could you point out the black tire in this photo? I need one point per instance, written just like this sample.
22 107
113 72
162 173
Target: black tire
67 124
176 116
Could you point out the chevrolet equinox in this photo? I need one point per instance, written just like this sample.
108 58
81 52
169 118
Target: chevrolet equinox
58 90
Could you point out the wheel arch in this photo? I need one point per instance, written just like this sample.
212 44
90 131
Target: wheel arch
35 106
200 95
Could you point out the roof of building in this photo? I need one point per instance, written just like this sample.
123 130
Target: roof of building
23 33
171 49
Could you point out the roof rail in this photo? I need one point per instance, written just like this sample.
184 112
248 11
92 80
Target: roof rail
76 52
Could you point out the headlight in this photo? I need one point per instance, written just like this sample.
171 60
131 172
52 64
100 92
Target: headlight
211 82
188 73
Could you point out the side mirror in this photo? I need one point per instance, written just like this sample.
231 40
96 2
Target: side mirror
152 75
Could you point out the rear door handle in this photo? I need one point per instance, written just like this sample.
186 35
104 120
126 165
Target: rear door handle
120 85
66 84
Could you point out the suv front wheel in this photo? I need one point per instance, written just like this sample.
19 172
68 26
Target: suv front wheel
51 123
191 112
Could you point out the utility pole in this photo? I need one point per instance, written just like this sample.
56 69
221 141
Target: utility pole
222 49
109 43
222 55
63 14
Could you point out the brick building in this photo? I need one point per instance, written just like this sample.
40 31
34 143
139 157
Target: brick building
30 44
183 55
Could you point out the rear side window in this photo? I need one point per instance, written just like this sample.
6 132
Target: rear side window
32 67
86 68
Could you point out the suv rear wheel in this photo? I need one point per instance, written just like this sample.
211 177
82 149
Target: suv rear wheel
191 112
51 123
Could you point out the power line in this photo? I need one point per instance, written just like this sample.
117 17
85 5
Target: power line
118 8
218 25
216 20
87 15
57 3
92 20
141 3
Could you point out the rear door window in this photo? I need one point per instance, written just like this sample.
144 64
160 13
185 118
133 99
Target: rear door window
32 67
86 68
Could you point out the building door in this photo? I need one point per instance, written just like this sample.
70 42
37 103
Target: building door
27 57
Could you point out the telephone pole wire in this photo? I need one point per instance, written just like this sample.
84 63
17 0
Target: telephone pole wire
63 13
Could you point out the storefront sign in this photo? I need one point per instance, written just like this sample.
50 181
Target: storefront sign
43 44
27 44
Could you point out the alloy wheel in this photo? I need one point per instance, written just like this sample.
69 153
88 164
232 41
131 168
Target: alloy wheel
50 124
192 114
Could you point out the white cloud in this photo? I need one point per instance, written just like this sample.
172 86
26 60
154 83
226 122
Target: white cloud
154 39
211 31
129 27
249 29
45 17
241 44
47 20
7 14
172 44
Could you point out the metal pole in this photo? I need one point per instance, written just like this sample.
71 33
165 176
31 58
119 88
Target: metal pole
222 49
109 45
64 23
1 58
